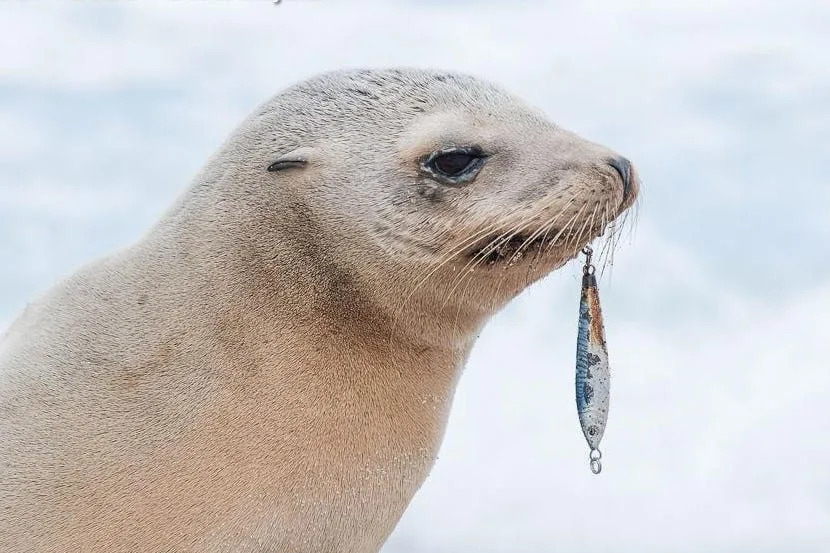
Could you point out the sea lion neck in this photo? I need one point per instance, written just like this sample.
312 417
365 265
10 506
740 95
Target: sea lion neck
286 265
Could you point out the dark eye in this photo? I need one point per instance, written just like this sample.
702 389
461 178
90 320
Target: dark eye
454 165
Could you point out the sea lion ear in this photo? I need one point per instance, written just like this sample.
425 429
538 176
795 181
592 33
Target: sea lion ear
294 158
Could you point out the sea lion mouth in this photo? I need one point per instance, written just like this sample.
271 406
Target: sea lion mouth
507 248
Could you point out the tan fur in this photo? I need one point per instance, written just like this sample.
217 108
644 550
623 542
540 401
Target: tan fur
271 367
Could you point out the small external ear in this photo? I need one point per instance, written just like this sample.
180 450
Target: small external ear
294 158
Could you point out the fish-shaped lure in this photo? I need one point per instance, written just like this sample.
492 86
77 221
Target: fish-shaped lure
593 375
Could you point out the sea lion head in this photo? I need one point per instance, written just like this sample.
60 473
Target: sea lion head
428 186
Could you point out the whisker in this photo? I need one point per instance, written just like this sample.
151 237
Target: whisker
564 229
542 228
430 270
469 268
573 236
586 227
607 238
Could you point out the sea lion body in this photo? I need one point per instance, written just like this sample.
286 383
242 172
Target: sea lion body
271 367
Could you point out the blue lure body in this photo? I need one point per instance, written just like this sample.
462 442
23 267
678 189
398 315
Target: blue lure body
593 373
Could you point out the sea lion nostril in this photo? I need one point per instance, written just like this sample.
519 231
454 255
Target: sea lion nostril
623 167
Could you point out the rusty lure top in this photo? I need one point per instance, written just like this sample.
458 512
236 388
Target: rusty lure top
593 374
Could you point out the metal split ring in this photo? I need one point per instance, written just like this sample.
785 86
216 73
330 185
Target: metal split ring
588 269
595 456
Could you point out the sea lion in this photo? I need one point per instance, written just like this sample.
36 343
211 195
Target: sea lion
271 366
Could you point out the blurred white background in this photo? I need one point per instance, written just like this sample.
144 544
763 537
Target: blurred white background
716 311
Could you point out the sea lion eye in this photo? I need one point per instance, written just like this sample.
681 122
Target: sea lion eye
454 165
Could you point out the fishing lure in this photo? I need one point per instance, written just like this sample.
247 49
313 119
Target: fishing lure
593 374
